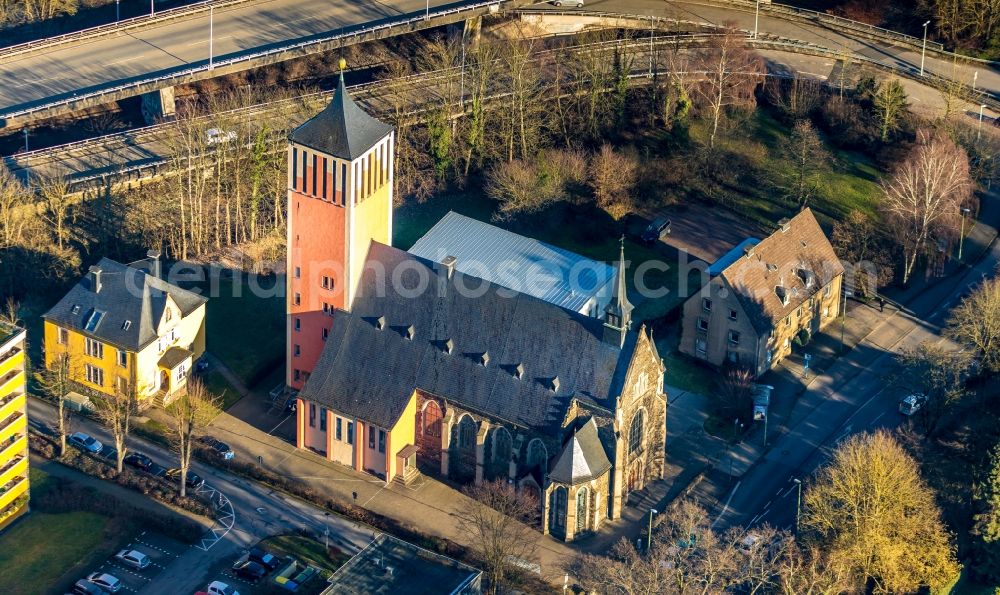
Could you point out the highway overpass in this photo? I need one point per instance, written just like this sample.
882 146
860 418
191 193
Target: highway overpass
150 54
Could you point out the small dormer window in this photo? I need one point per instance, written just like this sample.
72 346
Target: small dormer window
449 346
782 294
93 320
126 325
807 277
76 309
555 384
519 371
484 359
410 332
380 323
169 315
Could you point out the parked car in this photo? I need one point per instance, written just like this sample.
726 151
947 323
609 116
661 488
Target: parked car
215 136
218 446
576 3
221 588
109 583
249 570
85 442
157 469
910 404
193 480
82 587
656 230
202 365
264 558
138 460
133 558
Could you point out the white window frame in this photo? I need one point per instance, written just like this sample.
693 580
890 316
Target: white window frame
94 348
95 375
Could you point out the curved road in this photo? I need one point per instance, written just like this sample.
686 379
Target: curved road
77 67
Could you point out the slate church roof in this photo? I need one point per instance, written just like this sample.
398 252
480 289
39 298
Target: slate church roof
503 354
583 457
127 308
342 129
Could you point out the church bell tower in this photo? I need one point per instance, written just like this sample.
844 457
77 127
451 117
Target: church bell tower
340 179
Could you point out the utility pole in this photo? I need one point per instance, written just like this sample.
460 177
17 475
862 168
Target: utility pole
427 13
979 130
798 504
649 531
211 35
843 313
961 235
26 139
152 9
756 19
118 10
975 77
923 52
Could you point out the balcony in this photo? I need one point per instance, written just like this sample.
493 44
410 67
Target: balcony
16 467
13 424
11 360
11 381
12 489
11 403
17 443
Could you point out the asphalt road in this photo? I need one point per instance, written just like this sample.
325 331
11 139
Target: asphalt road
853 396
104 62
79 67
257 512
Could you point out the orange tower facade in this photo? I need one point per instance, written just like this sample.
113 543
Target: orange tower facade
340 179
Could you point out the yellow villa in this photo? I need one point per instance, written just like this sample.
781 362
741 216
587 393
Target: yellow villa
13 425
124 326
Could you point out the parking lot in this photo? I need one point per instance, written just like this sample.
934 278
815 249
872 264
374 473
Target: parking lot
162 552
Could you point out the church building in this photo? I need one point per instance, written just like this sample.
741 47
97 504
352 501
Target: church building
407 365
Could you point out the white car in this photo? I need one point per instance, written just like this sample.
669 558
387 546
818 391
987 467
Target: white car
216 136
912 403
221 588
109 583
85 442
576 3
133 558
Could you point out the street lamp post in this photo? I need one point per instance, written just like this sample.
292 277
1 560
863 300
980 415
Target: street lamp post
979 130
25 139
961 234
211 35
649 530
843 314
152 9
798 503
923 52
756 19
975 77
427 11
118 11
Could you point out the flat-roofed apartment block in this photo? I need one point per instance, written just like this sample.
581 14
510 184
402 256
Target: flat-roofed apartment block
13 424
762 295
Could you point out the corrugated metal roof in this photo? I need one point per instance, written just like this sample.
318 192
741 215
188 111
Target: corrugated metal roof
732 256
516 262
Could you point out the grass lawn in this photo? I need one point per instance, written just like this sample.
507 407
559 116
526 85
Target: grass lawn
846 181
217 384
244 330
307 550
965 586
685 373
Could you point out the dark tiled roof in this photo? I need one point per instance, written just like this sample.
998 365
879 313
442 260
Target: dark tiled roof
174 357
782 259
127 294
342 129
371 373
582 458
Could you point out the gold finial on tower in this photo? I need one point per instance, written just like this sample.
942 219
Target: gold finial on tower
342 64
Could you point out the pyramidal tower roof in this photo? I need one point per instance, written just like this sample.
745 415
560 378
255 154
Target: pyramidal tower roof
619 304
342 129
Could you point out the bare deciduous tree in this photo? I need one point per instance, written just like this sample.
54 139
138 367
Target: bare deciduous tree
190 413
115 412
613 176
57 203
497 520
870 510
807 151
56 381
862 244
513 185
890 107
732 73
924 195
975 322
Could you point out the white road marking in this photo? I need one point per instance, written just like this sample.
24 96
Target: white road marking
728 500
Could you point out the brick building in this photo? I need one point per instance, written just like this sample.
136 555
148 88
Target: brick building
418 366
762 295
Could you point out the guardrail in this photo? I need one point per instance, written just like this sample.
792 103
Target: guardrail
117 27
344 35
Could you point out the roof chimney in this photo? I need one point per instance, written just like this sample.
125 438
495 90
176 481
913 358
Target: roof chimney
154 262
555 384
449 346
485 358
449 265
94 274
519 371
380 323
410 332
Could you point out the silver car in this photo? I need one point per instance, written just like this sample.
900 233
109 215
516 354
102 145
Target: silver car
133 558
